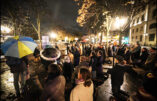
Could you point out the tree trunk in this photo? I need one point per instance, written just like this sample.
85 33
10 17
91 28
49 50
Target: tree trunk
38 31
15 29
120 38
39 35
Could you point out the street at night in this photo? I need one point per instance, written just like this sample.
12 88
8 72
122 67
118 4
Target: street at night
130 85
78 50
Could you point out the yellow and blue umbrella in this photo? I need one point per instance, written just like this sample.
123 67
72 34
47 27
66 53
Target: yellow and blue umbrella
18 46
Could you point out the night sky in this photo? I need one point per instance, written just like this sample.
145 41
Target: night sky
64 13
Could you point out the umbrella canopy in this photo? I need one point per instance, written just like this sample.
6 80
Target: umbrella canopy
18 46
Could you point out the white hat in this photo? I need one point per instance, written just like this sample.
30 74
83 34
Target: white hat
50 54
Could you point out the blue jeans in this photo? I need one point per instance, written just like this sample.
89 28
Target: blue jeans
16 81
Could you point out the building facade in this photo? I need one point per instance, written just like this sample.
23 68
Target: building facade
143 27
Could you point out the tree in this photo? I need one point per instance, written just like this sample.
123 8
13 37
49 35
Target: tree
37 9
91 14
23 14
13 14
97 15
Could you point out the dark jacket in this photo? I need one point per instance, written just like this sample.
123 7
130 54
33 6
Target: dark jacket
36 52
67 70
144 57
109 52
99 65
76 58
136 53
93 62
151 61
54 89
127 56
121 51
117 73
17 65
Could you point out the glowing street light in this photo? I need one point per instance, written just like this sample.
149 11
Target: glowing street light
53 35
120 22
66 38
5 29
76 39
99 34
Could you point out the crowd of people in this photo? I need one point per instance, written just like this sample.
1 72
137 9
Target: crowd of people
55 75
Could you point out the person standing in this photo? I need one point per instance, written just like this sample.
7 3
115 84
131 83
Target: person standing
117 75
19 68
67 68
49 55
143 58
84 88
99 69
92 63
127 55
151 61
55 84
136 53
76 54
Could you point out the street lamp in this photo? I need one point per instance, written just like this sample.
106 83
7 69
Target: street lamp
76 39
66 38
119 23
53 35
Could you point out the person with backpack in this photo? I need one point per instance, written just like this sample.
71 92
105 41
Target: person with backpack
19 68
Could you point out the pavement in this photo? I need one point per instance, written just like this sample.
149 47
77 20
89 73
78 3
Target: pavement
130 85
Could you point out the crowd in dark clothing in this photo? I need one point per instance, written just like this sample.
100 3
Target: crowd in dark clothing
62 70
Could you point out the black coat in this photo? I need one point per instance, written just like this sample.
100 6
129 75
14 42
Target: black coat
17 65
117 73
67 70
76 58
99 64
144 56
127 56
136 53
121 51
93 62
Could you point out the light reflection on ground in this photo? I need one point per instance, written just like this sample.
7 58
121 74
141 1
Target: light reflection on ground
7 86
